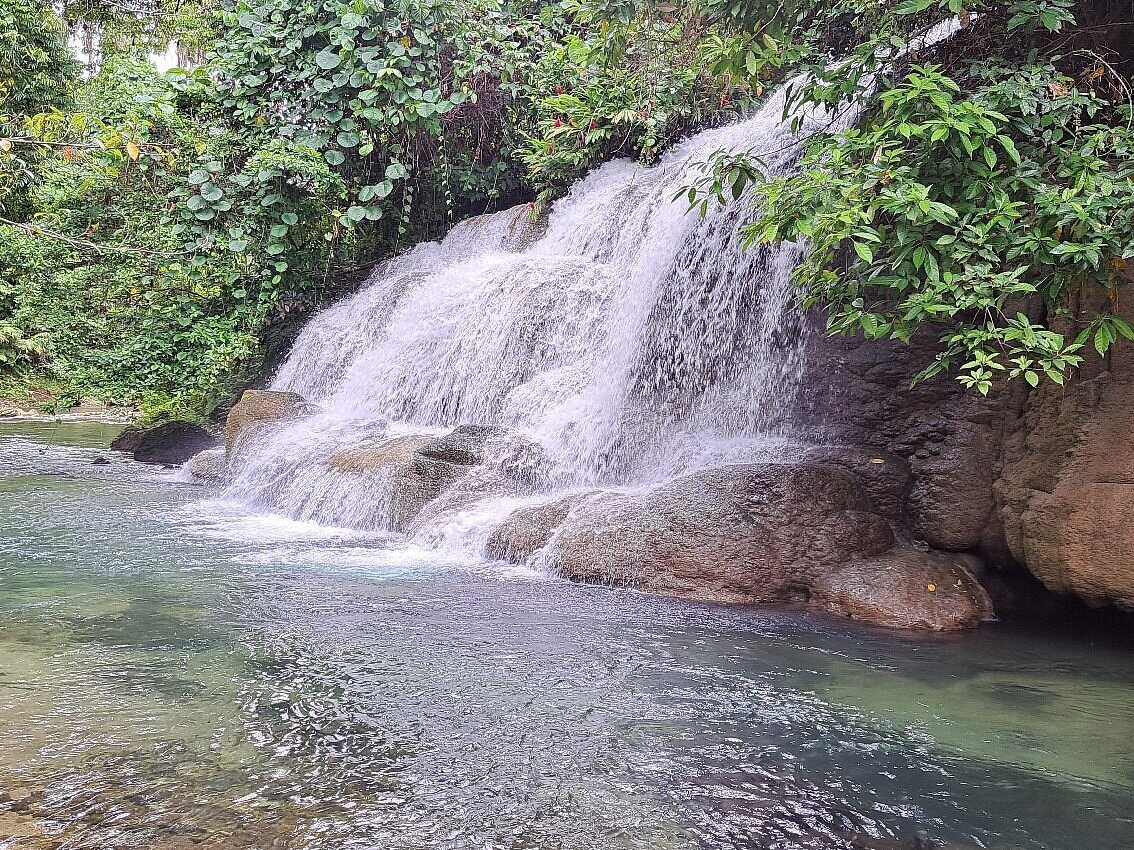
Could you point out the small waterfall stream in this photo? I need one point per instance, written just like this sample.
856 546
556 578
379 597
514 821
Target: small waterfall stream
631 342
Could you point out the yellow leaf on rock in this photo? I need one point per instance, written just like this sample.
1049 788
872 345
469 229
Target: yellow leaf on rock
931 586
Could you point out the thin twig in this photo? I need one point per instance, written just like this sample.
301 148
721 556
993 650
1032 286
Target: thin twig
38 231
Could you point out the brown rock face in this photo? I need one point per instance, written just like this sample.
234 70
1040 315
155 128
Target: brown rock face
263 407
412 480
763 533
1066 492
384 454
1037 479
527 530
906 589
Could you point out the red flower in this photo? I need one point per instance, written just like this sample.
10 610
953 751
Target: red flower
593 123
558 123
559 90
724 101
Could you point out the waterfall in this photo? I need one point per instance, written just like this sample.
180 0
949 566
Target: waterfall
631 342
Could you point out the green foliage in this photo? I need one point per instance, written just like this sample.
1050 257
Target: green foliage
37 71
405 102
628 81
594 111
124 322
156 230
983 198
132 29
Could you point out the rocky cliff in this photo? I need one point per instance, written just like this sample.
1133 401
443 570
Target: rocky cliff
1037 479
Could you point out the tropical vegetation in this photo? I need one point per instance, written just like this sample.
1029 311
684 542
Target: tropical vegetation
163 234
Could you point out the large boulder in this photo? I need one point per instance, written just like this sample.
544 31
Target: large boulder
1035 481
765 533
513 454
169 443
885 477
445 474
904 588
464 445
381 454
401 478
263 407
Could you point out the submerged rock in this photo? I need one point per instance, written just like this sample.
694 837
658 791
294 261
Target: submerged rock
168 443
764 533
263 407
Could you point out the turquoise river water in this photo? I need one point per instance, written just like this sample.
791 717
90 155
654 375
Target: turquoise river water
176 672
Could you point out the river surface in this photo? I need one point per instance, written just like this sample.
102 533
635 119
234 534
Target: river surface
178 673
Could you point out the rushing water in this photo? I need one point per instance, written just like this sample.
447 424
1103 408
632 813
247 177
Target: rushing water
629 343
178 672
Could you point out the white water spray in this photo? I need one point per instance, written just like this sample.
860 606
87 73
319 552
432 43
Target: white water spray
633 342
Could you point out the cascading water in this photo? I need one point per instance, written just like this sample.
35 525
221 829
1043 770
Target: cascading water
632 342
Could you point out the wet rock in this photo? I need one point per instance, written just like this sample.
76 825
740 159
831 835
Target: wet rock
100 461
508 451
951 501
263 407
1066 492
464 445
463 493
14 825
884 476
528 529
448 474
1035 479
210 466
422 481
379 455
168 443
765 533
404 478
904 588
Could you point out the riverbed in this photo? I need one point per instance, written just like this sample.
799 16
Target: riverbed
178 672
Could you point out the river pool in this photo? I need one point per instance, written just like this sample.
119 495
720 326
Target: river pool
176 672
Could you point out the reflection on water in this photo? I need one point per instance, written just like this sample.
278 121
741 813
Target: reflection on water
175 673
